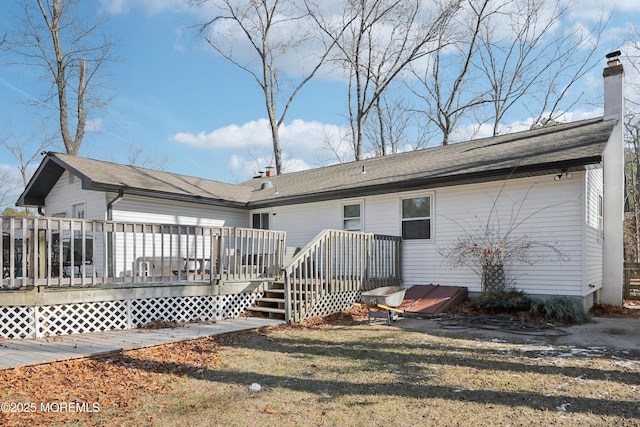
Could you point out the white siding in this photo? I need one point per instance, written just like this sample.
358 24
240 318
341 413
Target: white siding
552 213
593 232
541 209
303 222
149 210
67 192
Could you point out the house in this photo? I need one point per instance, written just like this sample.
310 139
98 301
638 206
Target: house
560 186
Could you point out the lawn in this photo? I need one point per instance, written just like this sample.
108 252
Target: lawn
332 373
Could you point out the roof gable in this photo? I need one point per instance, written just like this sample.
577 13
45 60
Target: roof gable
106 176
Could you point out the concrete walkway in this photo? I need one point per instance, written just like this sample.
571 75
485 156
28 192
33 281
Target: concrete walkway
609 333
26 352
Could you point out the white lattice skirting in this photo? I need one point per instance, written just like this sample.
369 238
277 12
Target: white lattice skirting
333 303
66 319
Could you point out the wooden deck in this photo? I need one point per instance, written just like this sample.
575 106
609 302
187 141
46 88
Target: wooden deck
26 352
63 276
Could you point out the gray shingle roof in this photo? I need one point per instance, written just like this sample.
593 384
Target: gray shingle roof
568 146
107 176
571 146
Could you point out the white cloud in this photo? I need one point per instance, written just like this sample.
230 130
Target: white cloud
301 138
304 144
151 7
95 125
595 9
245 168
295 164
251 135
475 131
235 162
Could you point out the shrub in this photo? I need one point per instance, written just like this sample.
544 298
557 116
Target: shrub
560 309
508 300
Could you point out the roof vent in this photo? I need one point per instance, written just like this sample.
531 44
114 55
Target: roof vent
266 184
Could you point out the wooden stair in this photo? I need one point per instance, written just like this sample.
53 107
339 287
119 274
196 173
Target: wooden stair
272 303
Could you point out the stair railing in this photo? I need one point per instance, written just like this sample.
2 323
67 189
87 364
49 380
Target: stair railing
339 261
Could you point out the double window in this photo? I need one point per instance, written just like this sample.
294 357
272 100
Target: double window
260 220
416 218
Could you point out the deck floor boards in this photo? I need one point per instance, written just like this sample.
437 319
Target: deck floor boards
27 352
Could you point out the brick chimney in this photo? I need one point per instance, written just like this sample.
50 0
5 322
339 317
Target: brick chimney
614 188
270 171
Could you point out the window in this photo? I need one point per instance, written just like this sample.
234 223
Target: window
260 220
600 218
77 210
416 218
352 217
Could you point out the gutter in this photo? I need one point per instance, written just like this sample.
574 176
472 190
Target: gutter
432 182
168 196
119 197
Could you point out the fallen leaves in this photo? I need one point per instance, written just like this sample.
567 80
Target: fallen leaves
113 383
355 313
607 310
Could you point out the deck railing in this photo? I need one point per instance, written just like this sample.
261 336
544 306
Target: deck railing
340 261
78 252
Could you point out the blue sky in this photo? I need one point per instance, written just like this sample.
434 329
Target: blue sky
177 99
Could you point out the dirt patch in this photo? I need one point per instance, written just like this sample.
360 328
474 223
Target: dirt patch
334 371
630 308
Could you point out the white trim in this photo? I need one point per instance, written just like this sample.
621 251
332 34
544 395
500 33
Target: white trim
84 209
431 217
260 212
359 202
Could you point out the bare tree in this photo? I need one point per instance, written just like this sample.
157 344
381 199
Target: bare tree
447 85
376 41
497 56
8 185
632 154
276 31
488 247
632 173
136 156
394 127
26 149
67 45
534 61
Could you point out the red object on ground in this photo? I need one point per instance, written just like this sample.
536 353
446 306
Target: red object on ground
432 299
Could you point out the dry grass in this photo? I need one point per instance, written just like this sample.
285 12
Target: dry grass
338 371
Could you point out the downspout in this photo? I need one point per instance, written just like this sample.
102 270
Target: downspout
119 197
110 243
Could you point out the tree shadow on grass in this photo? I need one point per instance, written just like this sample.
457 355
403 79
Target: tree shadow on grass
324 366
